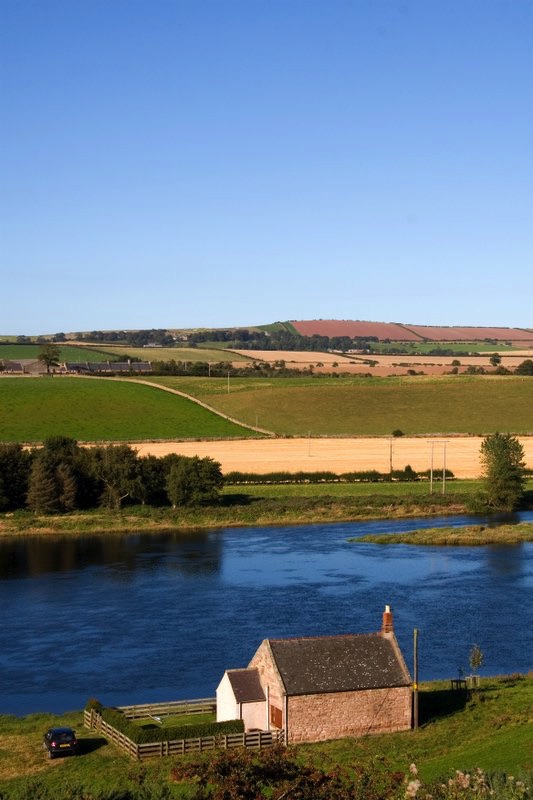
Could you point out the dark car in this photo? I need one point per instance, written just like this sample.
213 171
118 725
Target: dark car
58 741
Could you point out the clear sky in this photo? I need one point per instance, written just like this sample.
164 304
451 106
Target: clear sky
187 163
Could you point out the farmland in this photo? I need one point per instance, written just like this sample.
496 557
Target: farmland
376 407
92 353
23 352
297 407
102 410
177 353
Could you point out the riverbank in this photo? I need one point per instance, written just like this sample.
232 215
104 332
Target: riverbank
238 509
467 536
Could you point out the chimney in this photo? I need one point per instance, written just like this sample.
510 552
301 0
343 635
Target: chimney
387 625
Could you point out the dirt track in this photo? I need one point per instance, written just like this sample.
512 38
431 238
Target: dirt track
337 455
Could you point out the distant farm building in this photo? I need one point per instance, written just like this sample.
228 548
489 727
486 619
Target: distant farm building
12 367
324 687
102 367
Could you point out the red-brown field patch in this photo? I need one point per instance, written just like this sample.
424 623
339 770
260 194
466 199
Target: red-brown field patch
466 334
355 328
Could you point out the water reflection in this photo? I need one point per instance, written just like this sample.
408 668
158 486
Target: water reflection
193 552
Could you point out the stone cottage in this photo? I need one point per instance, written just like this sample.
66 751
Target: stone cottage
323 687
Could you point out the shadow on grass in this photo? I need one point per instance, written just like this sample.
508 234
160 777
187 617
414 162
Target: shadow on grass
231 500
86 746
440 703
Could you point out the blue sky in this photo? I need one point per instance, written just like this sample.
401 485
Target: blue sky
187 163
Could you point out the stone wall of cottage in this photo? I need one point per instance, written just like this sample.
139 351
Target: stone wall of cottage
269 677
314 718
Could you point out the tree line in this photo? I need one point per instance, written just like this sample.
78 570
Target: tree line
62 477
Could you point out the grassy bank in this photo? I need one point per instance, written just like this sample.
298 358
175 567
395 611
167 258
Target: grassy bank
490 729
284 504
468 536
236 510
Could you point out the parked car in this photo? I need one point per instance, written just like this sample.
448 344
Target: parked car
59 741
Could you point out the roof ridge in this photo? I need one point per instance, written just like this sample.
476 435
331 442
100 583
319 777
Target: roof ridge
326 636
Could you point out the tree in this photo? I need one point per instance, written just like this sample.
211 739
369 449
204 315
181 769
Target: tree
42 488
476 658
525 367
116 468
502 459
192 481
150 487
49 355
495 360
15 466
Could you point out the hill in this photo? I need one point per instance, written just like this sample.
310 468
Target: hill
401 332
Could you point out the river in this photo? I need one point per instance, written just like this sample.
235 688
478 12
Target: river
146 617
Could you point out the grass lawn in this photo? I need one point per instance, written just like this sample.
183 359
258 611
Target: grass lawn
371 406
490 729
175 719
96 409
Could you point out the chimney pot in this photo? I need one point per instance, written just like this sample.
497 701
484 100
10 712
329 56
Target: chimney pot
387 624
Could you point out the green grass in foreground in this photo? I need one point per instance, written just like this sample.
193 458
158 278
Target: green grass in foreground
467 536
370 406
96 409
490 729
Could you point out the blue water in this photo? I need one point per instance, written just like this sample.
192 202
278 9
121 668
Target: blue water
141 618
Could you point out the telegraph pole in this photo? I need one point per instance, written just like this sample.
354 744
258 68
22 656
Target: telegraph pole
415 682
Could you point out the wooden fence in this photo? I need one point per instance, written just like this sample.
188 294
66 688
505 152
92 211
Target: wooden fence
207 705
256 740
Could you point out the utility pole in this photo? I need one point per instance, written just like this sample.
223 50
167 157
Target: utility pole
444 468
415 681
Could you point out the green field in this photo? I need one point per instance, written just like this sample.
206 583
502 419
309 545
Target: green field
35 408
20 352
457 347
371 406
210 354
96 409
